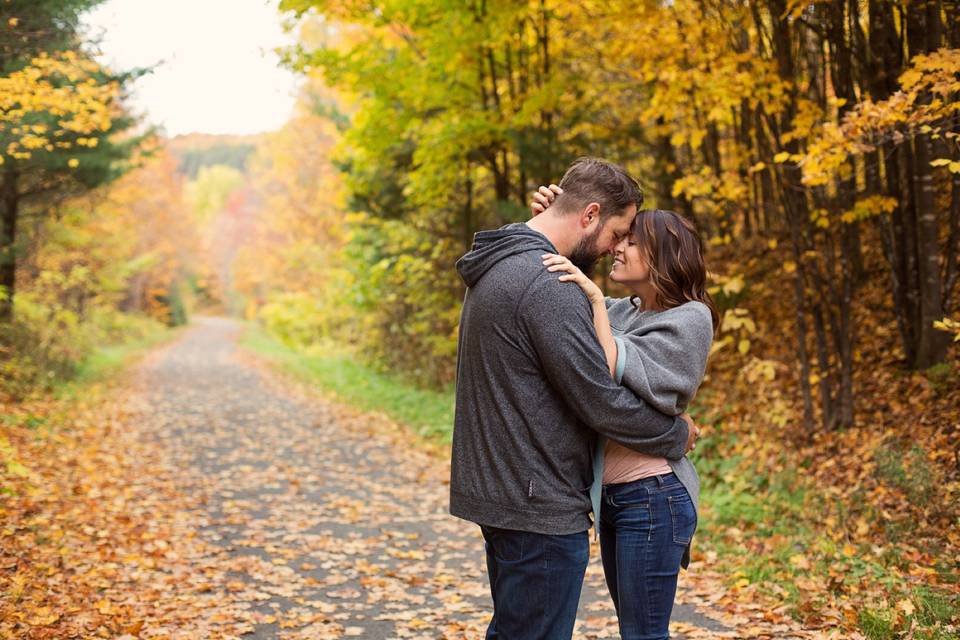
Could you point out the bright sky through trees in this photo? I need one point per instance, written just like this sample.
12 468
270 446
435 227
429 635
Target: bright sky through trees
219 72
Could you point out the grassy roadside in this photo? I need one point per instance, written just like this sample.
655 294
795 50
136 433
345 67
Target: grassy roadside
428 413
775 532
110 360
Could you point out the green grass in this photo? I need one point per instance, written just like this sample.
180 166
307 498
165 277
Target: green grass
428 413
110 360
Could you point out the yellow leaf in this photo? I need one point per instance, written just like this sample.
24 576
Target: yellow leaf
953 167
789 266
906 606
772 244
940 162
743 346
73 163
12 22
783 156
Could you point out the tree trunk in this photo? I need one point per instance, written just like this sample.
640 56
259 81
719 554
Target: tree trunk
931 343
923 35
8 239
951 268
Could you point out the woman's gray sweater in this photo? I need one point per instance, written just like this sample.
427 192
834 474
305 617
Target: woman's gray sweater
662 357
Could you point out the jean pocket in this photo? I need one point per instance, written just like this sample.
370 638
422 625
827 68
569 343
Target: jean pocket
683 517
630 494
507 546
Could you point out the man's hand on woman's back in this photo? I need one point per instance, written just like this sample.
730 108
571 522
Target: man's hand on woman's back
694 433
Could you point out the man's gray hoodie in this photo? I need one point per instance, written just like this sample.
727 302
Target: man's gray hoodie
533 390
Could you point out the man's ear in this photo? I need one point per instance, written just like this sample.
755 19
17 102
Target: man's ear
590 215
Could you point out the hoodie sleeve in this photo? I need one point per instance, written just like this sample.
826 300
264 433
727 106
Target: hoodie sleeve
557 320
665 358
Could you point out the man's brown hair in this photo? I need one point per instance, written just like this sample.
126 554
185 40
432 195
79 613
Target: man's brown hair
595 180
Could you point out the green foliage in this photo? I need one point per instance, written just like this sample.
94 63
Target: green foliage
877 624
48 344
407 318
429 413
41 25
936 607
943 377
298 319
908 470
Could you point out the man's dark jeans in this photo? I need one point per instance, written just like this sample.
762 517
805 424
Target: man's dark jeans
645 526
535 580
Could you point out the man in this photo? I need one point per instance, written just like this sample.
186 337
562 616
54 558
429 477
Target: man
531 379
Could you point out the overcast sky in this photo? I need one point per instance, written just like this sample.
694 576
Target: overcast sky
219 74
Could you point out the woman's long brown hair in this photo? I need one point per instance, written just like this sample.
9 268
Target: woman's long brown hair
673 248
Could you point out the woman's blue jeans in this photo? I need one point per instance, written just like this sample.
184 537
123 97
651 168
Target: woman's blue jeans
645 526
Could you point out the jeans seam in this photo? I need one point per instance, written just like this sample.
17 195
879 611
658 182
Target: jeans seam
546 569
675 525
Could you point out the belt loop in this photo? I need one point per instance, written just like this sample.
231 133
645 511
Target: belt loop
660 481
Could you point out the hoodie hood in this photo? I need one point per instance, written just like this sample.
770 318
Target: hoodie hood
490 247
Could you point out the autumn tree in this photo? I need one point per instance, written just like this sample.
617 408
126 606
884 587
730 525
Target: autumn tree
61 116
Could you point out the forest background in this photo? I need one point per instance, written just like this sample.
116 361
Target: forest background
815 145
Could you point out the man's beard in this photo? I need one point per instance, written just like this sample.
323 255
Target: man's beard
585 255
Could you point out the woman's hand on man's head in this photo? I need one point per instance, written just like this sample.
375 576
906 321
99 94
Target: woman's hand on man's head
542 198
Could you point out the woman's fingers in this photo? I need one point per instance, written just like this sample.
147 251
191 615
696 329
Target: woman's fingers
558 263
546 195
551 192
542 198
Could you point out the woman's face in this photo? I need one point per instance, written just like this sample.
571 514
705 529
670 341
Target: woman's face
630 267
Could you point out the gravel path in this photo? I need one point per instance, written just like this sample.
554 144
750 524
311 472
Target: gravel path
330 523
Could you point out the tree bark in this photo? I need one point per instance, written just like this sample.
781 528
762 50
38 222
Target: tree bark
923 36
931 343
8 239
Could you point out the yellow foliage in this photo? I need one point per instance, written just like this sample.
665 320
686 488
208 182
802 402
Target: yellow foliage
905 113
62 86
950 326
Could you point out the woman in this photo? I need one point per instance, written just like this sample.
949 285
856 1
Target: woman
656 343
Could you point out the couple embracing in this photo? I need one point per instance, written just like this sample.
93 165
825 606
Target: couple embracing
569 403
